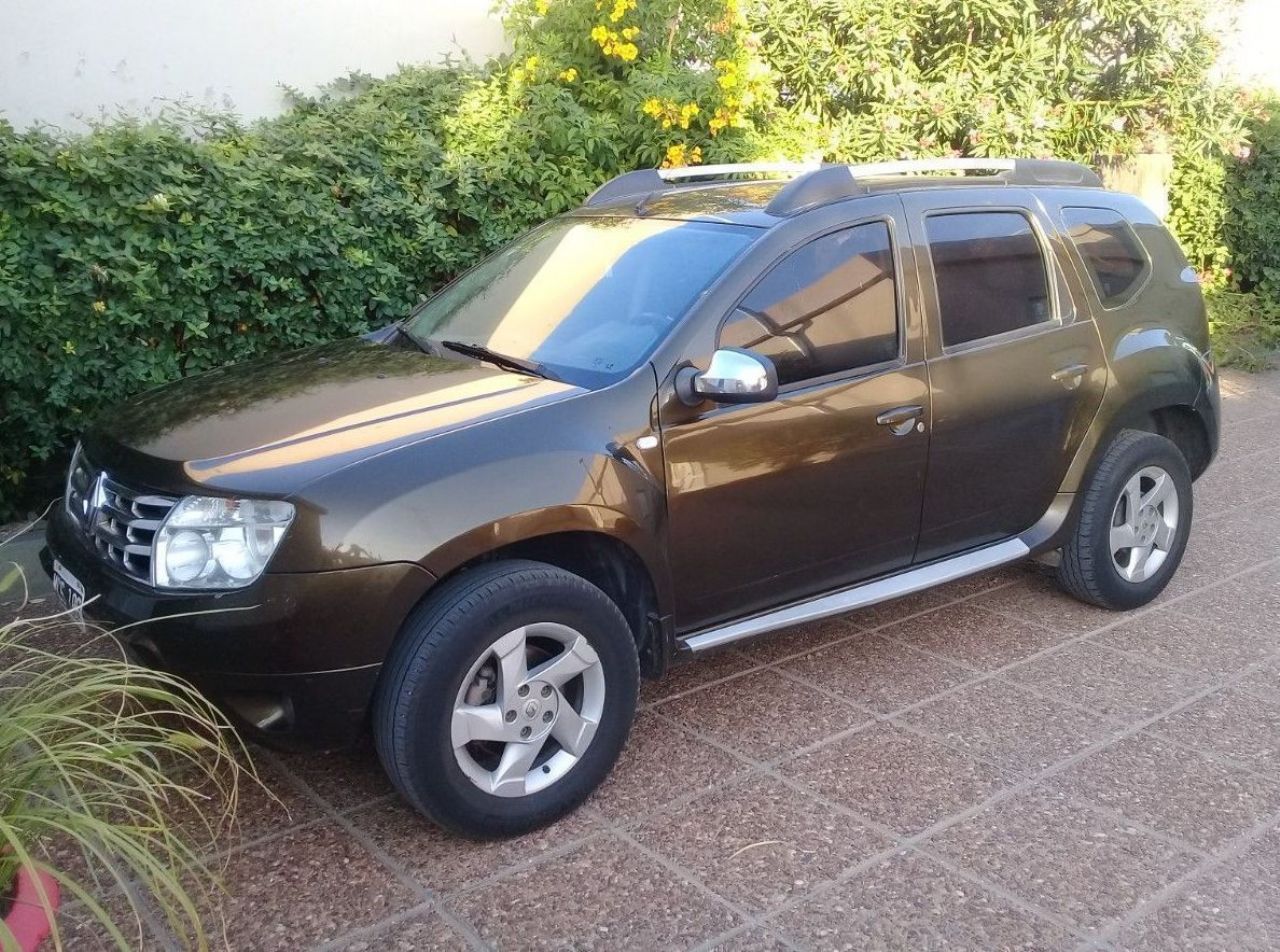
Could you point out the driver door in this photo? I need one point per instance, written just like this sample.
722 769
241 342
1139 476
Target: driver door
772 502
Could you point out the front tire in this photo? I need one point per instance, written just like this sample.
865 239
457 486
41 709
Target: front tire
507 698
1134 521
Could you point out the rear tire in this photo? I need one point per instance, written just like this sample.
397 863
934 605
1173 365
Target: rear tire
506 699
1135 517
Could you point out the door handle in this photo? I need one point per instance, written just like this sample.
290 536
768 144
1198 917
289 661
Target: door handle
901 420
1070 377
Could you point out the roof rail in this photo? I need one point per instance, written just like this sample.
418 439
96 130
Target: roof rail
832 183
645 181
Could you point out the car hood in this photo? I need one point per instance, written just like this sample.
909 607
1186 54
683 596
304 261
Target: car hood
272 425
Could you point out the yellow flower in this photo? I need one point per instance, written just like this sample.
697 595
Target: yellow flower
599 34
652 108
695 155
531 63
631 32
99 307
666 123
569 75
728 81
628 51
721 120
675 156
542 6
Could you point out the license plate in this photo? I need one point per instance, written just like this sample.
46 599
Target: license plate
68 588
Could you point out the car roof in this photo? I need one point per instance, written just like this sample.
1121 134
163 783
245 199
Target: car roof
766 203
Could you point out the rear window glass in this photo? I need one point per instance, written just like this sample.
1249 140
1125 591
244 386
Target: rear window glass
1112 253
989 272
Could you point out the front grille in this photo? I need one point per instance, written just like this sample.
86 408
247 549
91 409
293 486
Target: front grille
120 522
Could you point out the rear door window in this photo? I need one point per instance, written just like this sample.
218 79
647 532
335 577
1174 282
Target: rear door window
990 274
1112 253
829 307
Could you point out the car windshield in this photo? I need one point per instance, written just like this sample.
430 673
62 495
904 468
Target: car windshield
586 299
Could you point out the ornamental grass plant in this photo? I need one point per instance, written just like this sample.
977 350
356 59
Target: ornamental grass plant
117 780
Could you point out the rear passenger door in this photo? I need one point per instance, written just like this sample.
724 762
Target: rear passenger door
1016 367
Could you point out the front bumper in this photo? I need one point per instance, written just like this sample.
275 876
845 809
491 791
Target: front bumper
293 658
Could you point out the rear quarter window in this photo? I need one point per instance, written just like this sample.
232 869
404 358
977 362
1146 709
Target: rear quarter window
1112 253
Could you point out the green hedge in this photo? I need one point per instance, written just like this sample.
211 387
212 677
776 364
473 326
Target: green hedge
140 253
1253 190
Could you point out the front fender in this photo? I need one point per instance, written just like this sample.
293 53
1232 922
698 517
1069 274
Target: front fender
572 467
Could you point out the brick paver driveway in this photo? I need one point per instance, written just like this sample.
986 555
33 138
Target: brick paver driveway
988 766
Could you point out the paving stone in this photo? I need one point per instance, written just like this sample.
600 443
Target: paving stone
752 940
778 645
81 931
1173 790
876 673
1232 907
1250 602
1038 599
971 635
1000 722
1067 858
304 889
445 862
897 778
428 930
1263 682
910 902
1210 648
660 763
343 779
1113 684
759 842
1202 563
896 609
695 673
1253 433
1236 725
603 895
764 715
265 806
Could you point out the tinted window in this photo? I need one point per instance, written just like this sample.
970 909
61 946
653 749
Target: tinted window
1111 251
828 307
990 274
588 298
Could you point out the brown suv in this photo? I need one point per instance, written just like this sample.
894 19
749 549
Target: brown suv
702 407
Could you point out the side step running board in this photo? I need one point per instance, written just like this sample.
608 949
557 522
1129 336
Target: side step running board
861 596
895 586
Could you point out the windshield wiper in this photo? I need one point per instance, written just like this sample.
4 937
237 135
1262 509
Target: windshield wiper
480 352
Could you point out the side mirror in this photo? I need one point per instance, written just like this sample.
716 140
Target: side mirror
733 376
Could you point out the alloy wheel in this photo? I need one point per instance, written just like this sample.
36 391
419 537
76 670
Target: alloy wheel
1144 524
528 709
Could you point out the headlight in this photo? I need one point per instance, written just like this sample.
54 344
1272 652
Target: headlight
211 542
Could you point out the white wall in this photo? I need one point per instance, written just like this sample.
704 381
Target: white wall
1250 53
65 59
